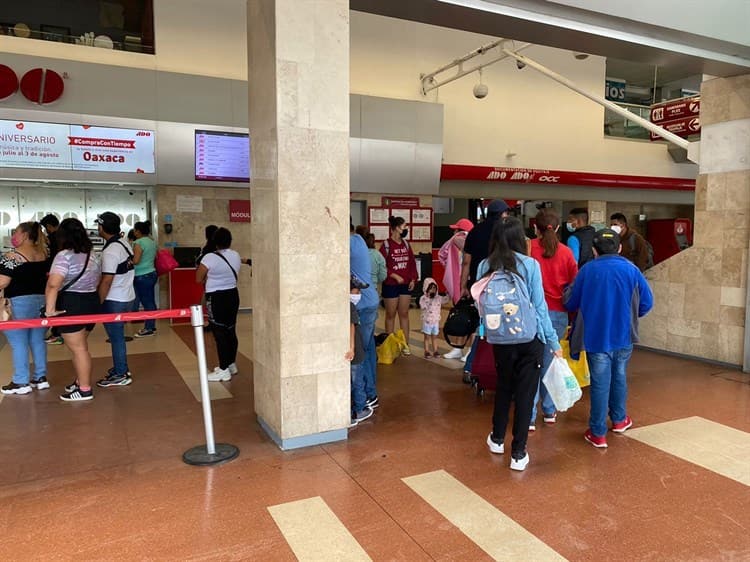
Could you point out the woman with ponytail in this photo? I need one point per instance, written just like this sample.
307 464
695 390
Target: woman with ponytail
23 277
559 269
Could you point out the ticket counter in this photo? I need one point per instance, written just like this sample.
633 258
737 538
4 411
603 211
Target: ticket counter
184 291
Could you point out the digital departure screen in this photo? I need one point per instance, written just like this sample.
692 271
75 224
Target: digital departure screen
222 156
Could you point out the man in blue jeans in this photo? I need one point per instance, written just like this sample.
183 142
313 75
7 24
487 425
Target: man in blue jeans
361 266
116 294
610 294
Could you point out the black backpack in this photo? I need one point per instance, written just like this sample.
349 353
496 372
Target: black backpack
462 322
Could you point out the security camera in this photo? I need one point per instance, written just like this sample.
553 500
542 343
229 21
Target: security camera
520 65
481 91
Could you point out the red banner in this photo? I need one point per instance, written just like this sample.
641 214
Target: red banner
682 127
668 111
459 172
101 143
239 210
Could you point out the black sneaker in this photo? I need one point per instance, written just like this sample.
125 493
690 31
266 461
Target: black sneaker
72 387
144 333
40 383
77 395
117 380
113 379
14 388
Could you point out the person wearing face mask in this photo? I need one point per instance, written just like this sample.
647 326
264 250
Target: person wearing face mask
401 267
431 304
360 409
581 239
23 277
634 247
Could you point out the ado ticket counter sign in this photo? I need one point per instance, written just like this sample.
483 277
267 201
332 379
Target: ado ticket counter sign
51 146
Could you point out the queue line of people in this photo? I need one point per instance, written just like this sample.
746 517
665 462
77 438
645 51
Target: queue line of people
608 295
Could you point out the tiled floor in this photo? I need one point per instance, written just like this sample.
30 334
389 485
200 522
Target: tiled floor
104 480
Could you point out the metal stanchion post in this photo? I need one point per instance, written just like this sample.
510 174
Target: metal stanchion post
211 453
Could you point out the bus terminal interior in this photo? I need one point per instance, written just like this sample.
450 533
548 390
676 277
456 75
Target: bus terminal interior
287 121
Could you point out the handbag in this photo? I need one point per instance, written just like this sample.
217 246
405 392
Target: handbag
164 262
68 285
6 309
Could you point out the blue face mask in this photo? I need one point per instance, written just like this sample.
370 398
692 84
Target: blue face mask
570 227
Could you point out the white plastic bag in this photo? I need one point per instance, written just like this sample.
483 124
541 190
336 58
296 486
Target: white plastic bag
562 384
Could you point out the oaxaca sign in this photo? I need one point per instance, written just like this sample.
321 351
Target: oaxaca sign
54 146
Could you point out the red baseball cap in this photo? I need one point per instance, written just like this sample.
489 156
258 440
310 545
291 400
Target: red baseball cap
463 224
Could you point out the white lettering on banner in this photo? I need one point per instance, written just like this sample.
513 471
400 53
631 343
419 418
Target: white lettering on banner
549 179
240 215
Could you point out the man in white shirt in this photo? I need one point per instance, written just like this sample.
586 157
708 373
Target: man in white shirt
116 294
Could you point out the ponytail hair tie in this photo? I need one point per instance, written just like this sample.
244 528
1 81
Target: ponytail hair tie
549 227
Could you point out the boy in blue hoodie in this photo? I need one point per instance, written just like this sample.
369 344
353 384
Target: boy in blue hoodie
610 294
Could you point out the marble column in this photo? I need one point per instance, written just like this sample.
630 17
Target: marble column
298 58
701 294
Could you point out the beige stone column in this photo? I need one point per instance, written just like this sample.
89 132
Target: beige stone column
298 57
700 294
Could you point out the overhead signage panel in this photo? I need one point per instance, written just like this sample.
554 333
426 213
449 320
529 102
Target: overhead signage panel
51 146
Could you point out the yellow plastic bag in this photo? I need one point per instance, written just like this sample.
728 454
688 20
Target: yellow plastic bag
391 348
579 367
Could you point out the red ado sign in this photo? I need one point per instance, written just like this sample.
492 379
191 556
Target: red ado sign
39 85
239 210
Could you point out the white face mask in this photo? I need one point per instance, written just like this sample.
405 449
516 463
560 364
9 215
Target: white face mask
570 226
355 298
617 228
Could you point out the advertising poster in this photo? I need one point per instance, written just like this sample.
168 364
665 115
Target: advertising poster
51 146
25 144
104 149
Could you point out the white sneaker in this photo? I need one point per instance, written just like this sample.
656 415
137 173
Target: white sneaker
519 464
464 357
454 353
232 369
220 375
496 448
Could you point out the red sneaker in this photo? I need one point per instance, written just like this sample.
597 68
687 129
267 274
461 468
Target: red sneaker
620 427
598 442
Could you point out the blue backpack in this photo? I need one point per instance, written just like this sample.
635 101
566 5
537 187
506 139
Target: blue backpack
508 314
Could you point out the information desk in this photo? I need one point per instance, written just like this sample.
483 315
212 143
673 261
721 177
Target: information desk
183 290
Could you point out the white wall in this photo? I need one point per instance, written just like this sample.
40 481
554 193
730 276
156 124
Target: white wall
202 37
720 19
547 125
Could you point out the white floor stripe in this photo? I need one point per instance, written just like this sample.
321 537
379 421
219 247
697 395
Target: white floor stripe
713 446
493 531
315 533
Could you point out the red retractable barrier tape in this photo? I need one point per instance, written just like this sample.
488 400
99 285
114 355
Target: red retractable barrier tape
203 455
94 319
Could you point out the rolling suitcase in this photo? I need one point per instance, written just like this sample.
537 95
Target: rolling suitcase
483 369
